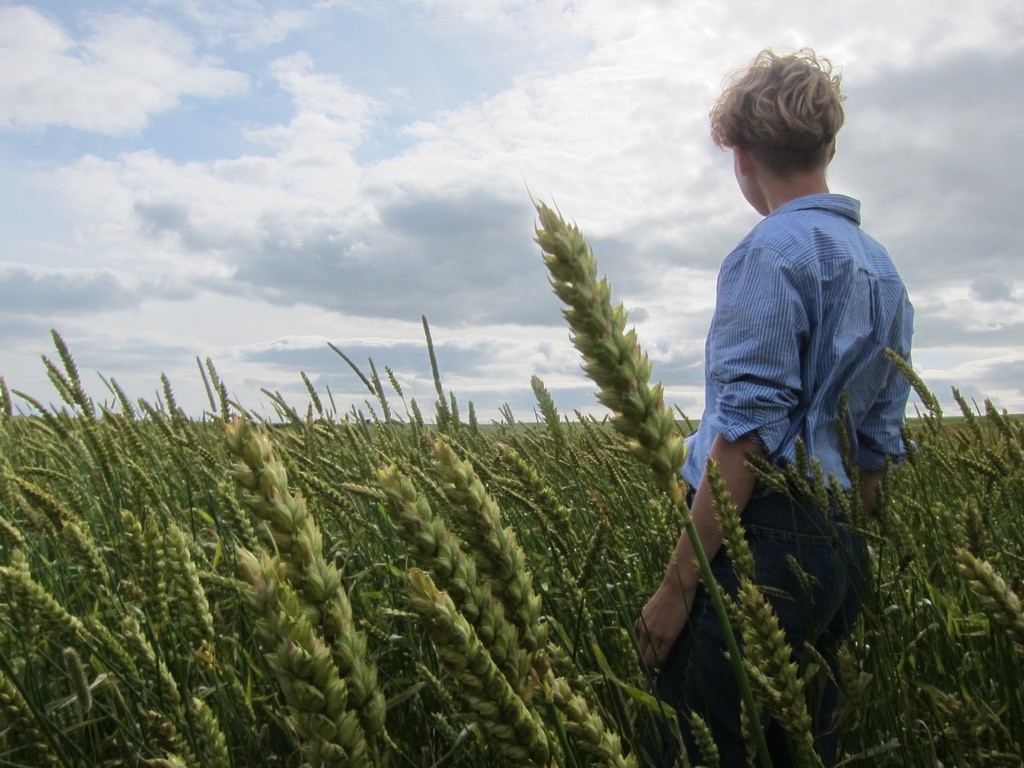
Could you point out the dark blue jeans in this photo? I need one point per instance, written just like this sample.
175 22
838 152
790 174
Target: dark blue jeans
821 609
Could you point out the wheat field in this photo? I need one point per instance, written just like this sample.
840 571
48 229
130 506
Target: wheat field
393 587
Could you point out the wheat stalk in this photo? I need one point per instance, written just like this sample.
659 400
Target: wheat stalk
588 727
705 741
295 535
437 550
165 737
32 597
210 738
975 529
612 357
770 657
1002 602
76 674
327 731
17 715
142 652
516 732
503 560
614 361
6 407
186 587
729 522
498 555
67 523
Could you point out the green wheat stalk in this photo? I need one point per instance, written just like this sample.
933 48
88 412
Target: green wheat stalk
210 737
294 534
516 732
601 745
498 555
436 549
769 662
614 361
17 716
327 731
1002 602
6 407
612 357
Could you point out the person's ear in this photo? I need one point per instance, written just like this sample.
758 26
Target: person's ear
744 160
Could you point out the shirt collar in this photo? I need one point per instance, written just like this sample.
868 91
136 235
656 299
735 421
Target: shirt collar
841 204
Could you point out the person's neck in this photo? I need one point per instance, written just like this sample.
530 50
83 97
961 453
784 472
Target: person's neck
766 190
779 191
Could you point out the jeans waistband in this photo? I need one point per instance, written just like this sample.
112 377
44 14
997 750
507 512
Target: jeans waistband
778 511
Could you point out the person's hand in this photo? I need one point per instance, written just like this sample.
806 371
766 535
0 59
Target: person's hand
662 621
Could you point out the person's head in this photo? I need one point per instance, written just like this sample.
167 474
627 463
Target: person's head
785 110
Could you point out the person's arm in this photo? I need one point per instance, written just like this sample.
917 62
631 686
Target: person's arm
668 610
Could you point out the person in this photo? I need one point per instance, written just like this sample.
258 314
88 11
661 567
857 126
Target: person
806 306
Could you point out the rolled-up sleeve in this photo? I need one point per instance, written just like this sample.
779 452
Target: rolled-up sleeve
758 330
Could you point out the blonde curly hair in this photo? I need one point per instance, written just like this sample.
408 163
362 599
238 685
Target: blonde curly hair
786 110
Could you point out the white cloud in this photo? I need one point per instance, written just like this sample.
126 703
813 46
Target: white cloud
144 211
989 377
959 304
211 209
274 28
329 115
547 19
112 81
247 25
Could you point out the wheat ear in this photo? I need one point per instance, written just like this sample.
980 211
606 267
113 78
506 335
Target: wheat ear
327 731
1002 602
705 741
32 597
209 736
516 732
498 554
187 589
293 533
770 656
588 727
612 357
438 551
729 521
6 407
19 719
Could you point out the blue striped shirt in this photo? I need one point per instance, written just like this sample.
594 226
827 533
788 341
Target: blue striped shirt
806 305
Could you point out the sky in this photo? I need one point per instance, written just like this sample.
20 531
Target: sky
248 182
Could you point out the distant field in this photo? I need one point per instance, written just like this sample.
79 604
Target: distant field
137 628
